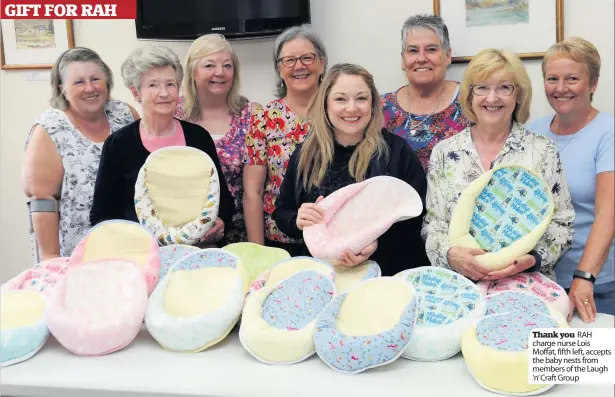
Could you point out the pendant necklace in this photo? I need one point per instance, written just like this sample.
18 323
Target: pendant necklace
557 135
414 127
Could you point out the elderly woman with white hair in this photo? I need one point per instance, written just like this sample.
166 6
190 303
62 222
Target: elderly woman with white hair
153 74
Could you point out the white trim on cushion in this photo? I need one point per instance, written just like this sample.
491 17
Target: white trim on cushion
192 232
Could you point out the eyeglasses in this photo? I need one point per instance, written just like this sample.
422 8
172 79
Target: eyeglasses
306 59
501 90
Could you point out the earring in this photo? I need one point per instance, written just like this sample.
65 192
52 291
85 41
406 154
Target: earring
320 79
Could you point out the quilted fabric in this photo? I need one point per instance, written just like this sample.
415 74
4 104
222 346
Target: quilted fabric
534 283
121 240
41 278
347 277
449 304
23 327
278 320
182 210
98 307
360 350
355 216
256 258
170 254
505 212
198 303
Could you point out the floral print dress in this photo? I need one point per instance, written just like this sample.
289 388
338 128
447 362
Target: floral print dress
455 163
274 133
80 159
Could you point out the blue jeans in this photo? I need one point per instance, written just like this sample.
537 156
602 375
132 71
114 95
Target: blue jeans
604 296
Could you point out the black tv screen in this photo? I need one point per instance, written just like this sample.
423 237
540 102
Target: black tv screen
189 19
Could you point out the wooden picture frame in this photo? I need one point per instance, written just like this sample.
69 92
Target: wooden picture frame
34 44
495 23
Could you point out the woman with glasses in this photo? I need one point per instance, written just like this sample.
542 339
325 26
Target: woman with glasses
584 138
276 129
427 110
495 94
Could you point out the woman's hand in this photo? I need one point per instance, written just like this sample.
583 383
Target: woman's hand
348 258
525 262
216 233
581 297
310 214
463 262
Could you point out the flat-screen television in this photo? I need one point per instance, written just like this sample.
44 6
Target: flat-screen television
235 19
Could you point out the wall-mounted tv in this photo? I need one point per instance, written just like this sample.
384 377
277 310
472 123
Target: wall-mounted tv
235 19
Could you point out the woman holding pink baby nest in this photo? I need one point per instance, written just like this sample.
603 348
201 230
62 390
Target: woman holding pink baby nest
347 145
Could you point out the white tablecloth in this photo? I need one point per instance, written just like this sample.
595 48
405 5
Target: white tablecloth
145 369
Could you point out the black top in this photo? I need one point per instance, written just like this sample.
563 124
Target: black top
122 157
399 248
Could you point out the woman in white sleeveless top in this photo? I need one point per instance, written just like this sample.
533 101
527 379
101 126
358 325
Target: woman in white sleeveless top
63 149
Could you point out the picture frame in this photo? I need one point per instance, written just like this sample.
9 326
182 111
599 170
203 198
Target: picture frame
514 25
33 44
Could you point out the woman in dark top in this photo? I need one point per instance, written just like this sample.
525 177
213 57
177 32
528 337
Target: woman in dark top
153 74
346 144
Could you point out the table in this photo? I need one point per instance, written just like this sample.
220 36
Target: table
225 370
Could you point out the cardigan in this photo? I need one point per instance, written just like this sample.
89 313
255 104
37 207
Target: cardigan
122 157
399 248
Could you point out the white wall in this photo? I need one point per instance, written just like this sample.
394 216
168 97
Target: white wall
361 31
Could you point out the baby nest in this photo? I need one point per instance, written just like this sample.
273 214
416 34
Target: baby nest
509 301
42 277
177 194
169 254
505 212
347 277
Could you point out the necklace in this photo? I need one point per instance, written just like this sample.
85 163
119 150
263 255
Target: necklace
166 134
568 140
414 127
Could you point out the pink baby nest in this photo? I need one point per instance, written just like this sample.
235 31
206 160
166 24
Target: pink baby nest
97 308
533 283
356 215
42 277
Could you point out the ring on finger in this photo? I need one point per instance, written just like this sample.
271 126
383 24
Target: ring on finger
585 302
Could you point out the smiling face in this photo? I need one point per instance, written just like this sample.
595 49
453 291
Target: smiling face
300 77
85 87
159 91
349 106
567 85
424 60
214 73
495 103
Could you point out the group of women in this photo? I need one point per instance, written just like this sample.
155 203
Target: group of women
327 128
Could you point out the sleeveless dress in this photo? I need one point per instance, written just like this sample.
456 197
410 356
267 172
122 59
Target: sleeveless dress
80 158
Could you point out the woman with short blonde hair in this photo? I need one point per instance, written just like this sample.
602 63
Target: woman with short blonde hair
495 94
584 139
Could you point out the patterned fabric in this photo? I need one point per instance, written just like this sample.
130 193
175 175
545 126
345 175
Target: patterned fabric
297 301
439 126
80 159
455 163
510 332
231 151
514 202
40 278
169 254
511 301
210 257
274 133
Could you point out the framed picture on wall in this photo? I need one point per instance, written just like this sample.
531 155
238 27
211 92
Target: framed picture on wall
34 43
525 27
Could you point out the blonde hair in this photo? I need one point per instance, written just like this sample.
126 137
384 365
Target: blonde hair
200 48
579 50
317 150
488 62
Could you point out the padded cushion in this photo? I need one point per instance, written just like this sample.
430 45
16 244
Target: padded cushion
42 277
505 211
509 301
534 283
495 351
170 254
98 307
277 323
256 258
355 216
346 277
198 302
177 194
124 241
449 304
368 326
23 329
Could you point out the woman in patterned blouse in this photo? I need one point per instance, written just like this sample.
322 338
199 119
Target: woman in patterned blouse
300 62
211 99
495 95
64 146
427 110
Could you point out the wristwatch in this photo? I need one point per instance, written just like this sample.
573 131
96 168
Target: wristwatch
584 275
